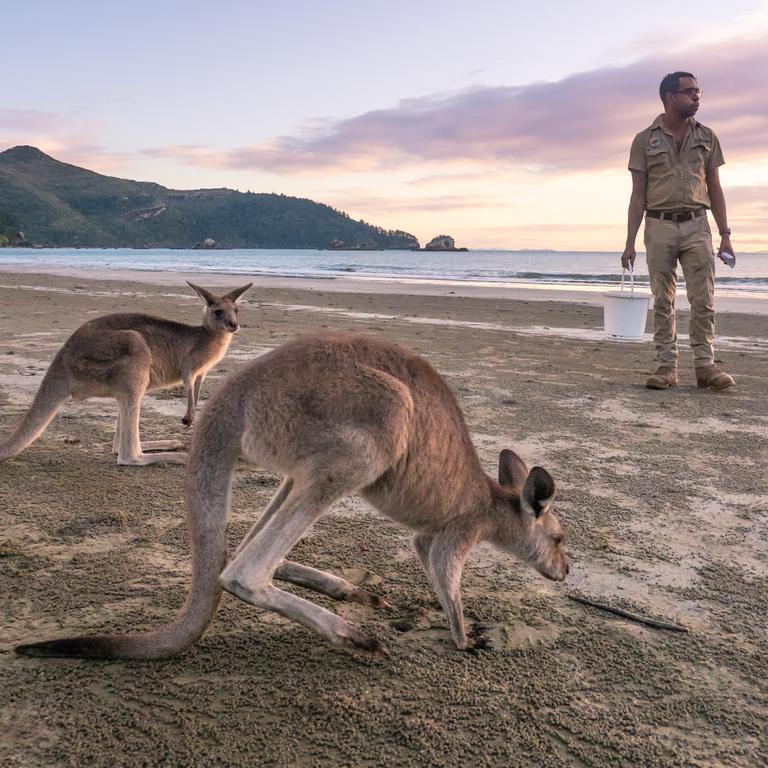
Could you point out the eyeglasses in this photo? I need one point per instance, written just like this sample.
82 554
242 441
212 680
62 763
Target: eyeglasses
691 92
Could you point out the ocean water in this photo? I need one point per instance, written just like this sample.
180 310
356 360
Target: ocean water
488 267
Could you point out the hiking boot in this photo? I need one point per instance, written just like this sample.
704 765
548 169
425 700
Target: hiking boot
664 378
713 378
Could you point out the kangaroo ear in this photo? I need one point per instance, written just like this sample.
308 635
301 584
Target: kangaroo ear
538 491
512 469
206 296
237 293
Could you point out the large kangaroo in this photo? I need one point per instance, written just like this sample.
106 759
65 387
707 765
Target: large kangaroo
336 414
123 356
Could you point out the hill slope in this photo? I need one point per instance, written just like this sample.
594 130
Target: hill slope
64 205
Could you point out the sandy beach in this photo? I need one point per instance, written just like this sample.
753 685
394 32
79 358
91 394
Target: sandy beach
663 496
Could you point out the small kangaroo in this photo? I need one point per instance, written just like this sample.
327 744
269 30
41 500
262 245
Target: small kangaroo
338 413
123 356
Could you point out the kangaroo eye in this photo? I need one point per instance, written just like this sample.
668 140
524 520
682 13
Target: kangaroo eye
218 312
558 539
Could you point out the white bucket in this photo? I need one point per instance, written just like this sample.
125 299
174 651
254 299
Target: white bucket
625 312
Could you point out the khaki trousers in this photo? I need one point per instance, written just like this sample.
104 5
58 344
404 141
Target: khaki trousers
690 243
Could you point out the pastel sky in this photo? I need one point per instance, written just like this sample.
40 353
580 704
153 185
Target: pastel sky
504 124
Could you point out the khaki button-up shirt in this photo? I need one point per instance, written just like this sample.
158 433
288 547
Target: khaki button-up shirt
675 180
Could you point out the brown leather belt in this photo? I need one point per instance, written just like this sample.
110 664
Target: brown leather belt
677 216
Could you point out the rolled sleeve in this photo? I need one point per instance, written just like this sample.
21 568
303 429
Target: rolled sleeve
637 155
715 159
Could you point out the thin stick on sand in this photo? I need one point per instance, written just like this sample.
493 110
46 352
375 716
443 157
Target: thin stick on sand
628 615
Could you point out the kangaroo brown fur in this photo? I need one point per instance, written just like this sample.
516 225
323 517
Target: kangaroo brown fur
123 356
335 414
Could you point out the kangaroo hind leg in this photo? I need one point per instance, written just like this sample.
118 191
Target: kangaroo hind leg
130 449
266 515
249 575
345 447
147 445
303 575
130 379
327 584
162 445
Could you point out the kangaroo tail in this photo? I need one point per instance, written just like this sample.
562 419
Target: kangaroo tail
208 479
54 390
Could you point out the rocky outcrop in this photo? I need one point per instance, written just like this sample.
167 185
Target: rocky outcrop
442 243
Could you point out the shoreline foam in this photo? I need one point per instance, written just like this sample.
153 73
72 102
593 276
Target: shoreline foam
742 302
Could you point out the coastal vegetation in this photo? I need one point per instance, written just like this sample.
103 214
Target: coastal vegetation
9 229
58 204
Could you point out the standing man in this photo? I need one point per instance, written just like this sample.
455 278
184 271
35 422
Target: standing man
675 179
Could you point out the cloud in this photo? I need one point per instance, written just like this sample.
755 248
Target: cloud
584 122
755 195
28 120
194 154
552 227
748 214
436 203
66 137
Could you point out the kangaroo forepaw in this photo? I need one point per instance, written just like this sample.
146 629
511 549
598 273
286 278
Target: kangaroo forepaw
477 640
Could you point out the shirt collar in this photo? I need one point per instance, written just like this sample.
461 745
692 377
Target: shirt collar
660 126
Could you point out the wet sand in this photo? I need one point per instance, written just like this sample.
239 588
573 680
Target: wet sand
663 496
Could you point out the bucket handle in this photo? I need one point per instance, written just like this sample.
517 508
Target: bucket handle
631 280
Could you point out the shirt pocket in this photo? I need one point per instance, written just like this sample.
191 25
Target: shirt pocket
656 157
698 157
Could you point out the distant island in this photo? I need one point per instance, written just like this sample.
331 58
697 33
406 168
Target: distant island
45 202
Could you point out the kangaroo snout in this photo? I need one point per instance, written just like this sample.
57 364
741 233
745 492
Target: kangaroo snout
552 562
556 571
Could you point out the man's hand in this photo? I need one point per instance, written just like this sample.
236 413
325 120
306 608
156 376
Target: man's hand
628 258
725 245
